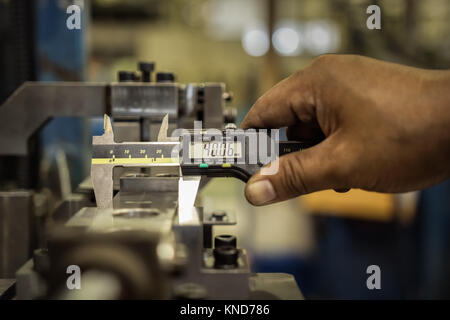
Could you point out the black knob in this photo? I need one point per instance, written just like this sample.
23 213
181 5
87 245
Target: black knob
165 77
127 76
146 69
225 257
225 240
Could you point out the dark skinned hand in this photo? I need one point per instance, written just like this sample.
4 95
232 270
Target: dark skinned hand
386 128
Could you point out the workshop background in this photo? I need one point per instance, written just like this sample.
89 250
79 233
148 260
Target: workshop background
327 240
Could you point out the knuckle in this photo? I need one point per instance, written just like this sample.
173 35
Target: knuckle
299 74
301 91
323 60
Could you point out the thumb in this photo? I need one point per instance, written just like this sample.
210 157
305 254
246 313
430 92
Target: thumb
302 172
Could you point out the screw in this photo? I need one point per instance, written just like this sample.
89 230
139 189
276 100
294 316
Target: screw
146 69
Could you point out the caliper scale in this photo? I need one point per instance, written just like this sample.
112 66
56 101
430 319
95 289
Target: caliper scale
227 154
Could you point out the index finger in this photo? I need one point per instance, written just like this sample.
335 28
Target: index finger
283 105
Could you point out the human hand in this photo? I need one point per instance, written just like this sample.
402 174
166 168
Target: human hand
386 128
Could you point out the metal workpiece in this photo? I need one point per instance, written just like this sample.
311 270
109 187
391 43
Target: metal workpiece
29 283
274 286
41 261
213 105
144 99
34 103
17 233
226 277
129 256
228 281
190 291
132 243
71 205
7 289
189 93
150 219
137 210
145 183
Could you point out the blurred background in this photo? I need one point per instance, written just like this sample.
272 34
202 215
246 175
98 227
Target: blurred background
327 240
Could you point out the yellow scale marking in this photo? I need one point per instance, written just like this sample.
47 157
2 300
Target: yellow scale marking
133 160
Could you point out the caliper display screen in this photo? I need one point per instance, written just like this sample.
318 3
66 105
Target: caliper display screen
215 149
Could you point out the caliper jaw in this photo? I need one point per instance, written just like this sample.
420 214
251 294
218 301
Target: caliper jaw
102 170
102 174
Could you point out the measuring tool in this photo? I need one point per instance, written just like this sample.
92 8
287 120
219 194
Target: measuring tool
211 153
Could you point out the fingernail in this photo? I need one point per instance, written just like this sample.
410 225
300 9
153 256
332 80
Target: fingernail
261 192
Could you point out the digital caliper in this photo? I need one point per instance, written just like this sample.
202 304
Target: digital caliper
211 153
226 153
